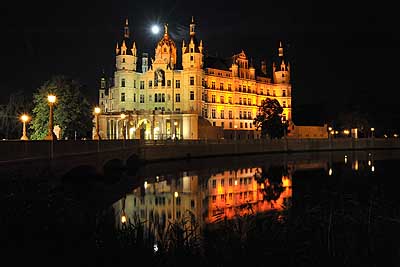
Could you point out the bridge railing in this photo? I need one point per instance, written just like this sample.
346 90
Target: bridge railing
16 150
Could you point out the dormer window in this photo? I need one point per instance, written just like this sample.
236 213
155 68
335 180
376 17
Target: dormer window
191 50
123 60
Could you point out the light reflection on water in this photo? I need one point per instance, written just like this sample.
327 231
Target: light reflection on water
258 185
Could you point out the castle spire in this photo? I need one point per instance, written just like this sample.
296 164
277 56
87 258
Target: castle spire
192 27
280 49
126 29
166 29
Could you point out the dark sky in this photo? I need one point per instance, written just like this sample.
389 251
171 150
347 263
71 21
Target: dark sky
340 51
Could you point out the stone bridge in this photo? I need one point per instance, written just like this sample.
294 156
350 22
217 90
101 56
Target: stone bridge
77 158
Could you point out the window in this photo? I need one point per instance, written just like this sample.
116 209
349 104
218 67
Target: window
191 50
230 114
230 181
141 98
230 125
221 99
134 97
222 114
122 82
249 114
249 101
134 83
222 124
191 95
191 58
122 97
149 98
212 85
214 123
284 104
141 84
240 114
169 83
221 86
229 87
241 125
178 98
150 84
222 182
191 80
214 183
240 100
213 113
283 92
123 60
213 99
177 84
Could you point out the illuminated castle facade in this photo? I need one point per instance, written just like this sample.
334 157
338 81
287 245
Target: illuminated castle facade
208 95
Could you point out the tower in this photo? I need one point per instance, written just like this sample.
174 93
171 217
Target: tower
281 72
192 63
126 57
165 52
103 94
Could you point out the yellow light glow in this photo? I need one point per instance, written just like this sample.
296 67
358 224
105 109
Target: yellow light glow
97 110
24 118
51 98
346 132
123 116
330 128
176 194
373 168
123 219
330 171
175 123
372 129
369 163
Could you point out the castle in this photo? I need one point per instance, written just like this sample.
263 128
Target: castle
208 97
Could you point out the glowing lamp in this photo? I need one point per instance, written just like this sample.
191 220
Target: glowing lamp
51 98
97 110
24 118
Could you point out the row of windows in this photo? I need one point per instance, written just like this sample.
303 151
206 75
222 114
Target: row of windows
246 125
177 83
230 182
244 195
160 97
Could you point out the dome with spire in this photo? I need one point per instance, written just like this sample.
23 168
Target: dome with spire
165 51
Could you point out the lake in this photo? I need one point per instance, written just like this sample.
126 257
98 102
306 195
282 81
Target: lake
308 209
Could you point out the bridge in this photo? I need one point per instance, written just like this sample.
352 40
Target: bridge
68 158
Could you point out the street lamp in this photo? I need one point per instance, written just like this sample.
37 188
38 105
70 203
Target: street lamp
97 111
372 131
176 195
24 118
50 135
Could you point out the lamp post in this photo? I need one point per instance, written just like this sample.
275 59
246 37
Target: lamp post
372 132
97 111
176 195
24 118
50 135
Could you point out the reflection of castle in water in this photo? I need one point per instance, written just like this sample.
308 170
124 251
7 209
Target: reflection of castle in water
223 195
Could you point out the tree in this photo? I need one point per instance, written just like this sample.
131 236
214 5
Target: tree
10 126
269 119
72 110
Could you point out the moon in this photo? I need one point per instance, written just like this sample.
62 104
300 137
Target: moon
155 29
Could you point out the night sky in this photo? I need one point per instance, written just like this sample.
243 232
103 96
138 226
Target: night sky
342 53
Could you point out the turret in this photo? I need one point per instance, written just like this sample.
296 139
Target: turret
103 92
165 52
126 58
281 72
192 53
